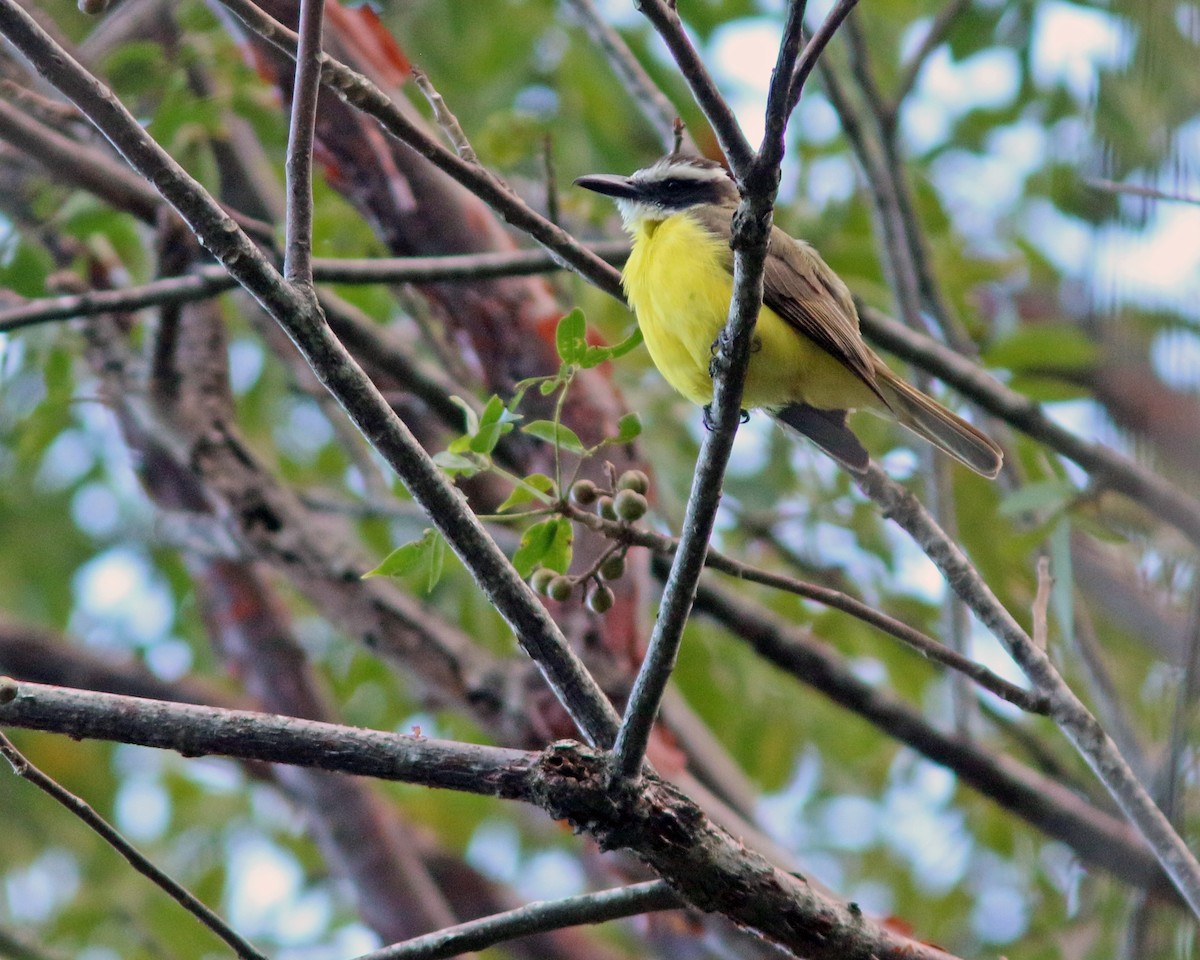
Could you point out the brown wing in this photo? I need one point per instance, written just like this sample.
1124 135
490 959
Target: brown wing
808 295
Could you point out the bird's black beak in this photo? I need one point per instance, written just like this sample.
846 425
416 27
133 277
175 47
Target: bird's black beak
610 185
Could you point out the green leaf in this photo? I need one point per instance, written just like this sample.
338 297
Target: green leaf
426 556
1052 495
548 544
407 558
494 423
470 417
629 427
454 464
594 356
536 486
570 337
557 434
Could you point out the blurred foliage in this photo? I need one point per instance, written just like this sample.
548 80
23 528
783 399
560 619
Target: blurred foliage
1018 253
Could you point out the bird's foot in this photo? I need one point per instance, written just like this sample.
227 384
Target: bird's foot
743 417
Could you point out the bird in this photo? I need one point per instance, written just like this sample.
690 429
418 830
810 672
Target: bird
809 365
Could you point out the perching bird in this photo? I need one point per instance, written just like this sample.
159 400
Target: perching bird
809 366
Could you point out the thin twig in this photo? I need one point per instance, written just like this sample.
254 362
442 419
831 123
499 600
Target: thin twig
925 645
733 142
208 281
816 46
1072 717
1041 604
77 806
297 264
1112 186
933 39
779 95
533 918
445 119
650 99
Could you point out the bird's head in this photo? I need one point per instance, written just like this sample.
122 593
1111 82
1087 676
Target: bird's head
673 184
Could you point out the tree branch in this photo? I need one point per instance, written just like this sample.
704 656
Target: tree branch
204 282
297 265
707 867
1050 806
1108 467
925 645
650 99
27 771
537 917
1072 717
733 142
300 317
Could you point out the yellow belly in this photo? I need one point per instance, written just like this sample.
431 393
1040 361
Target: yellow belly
678 286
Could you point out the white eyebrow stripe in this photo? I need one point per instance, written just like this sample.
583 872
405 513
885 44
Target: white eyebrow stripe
680 171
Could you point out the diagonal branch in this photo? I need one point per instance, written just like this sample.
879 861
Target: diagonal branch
816 46
1072 717
301 318
1108 467
538 917
737 149
27 771
650 99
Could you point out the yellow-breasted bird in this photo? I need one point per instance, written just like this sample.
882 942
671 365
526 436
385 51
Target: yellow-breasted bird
809 365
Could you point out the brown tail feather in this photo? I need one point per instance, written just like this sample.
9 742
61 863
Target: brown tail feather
947 431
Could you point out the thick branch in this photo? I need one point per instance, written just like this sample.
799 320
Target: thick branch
706 866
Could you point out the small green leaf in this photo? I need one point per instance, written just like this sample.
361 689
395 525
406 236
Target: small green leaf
557 434
629 427
570 337
407 558
548 544
618 350
594 356
469 415
494 423
454 464
536 486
